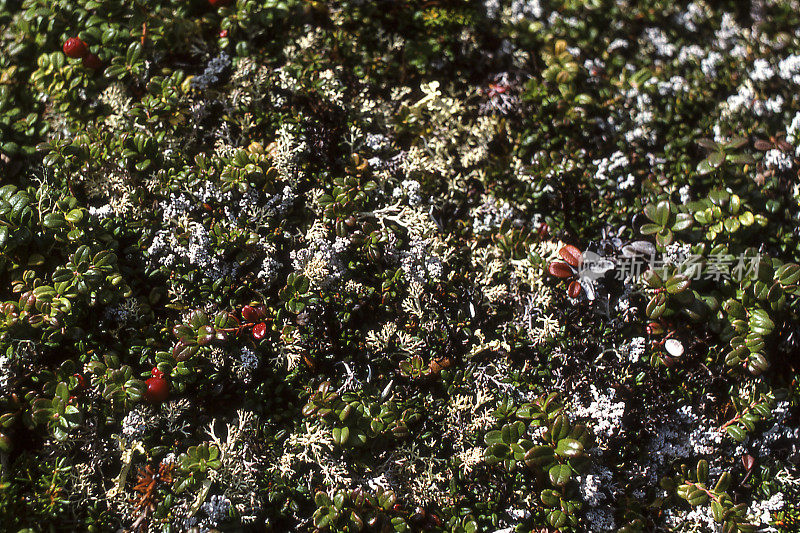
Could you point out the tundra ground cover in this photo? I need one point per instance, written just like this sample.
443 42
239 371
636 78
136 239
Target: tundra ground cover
399 265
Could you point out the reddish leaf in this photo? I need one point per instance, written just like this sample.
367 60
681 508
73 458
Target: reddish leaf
560 270
574 289
570 254
762 145
91 61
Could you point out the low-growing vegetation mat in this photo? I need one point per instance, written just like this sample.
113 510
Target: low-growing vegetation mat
399 265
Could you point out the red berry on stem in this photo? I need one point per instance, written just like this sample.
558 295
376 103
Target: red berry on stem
75 48
155 372
249 313
259 331
157 390
92 61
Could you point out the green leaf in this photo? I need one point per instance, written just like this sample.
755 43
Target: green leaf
656 306
736 432
662 213
702 470
704 167
677 283
732 225
650 211
62 391
760 322
715 159
340 435
757 364
697 497
650 229
719 197
652 279
59 434
54 221
556 518
569 448
683 221
550 497
723 482
500 450
747 218
339 500
134 53
560 427
493 437
75 216
539 456
708 144
754 342
509 433
321 520
734 308
559 475
740 159
321 499
664 238
788 274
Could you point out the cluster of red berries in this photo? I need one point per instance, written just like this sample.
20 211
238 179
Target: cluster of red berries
75 48
256 315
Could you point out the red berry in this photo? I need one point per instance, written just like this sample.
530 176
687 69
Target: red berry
223 34
92 61
259 331
157 390
155 372
219 3
75 48
81 381
249 313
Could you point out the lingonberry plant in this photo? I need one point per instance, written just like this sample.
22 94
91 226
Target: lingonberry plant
425 265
